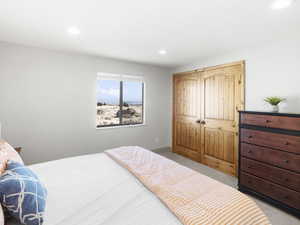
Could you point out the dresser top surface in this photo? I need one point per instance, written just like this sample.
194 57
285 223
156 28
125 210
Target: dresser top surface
272 113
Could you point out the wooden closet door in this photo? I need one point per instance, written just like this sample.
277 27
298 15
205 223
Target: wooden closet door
186 115
222 96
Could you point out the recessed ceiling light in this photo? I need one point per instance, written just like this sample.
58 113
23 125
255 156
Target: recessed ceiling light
281 4
73 31
162 52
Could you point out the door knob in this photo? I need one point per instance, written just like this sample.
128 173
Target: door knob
203 122
198 121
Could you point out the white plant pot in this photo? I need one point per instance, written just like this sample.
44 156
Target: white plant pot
275 108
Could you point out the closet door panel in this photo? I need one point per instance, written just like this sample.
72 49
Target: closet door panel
186 127
221 98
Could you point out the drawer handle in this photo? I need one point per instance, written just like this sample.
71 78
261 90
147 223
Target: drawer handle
250 136
268 121
250 167
286 161
287 143
249 151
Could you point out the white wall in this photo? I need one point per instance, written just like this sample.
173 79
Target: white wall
48 100
271 69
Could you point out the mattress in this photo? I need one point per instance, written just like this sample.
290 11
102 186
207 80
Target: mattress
94 190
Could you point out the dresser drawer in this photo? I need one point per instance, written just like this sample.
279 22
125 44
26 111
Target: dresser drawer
283 142
274 157
277 192
271 173
281 122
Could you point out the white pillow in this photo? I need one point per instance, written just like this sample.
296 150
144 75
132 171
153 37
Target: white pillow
7 152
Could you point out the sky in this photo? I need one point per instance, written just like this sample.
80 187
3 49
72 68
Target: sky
108 91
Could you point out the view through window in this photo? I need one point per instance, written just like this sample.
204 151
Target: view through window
120 100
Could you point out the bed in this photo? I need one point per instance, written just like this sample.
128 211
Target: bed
133 186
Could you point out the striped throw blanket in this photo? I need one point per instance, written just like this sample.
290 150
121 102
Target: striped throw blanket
194 198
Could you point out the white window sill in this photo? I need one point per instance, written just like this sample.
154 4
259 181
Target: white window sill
122 126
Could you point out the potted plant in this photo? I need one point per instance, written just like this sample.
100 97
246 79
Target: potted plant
274 102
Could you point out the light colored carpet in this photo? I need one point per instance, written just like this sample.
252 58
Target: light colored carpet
276 216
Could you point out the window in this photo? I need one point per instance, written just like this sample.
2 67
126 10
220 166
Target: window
120 100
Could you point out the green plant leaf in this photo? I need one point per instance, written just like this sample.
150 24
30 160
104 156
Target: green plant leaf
274 100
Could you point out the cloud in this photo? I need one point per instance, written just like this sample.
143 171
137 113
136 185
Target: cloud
111 91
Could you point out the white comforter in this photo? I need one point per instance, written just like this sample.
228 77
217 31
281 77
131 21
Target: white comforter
94 190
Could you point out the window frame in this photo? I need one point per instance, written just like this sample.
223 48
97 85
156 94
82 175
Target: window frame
121 79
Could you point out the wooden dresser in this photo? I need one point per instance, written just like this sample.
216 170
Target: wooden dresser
269 158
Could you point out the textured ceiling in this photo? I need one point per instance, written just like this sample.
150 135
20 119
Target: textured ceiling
136 30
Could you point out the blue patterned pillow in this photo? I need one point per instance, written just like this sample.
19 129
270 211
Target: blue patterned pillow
22 194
